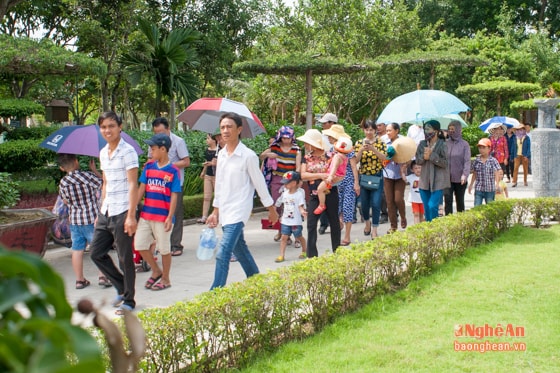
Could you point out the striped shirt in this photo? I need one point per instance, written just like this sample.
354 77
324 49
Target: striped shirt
286 161
124 158
80 191
160 183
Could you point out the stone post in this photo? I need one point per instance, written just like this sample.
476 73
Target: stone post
545 150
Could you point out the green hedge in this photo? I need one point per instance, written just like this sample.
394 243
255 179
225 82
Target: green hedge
23 155
226 327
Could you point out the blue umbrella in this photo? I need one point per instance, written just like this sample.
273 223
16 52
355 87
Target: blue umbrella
422 104
497 121
81 140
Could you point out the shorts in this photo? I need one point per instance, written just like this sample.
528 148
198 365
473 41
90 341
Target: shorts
147 231
289 229
81 236
417 208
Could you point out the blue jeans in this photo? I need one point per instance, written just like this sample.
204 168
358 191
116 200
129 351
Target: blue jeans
371 200
480 196
233 241
431 201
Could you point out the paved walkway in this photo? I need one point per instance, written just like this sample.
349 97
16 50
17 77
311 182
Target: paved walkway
190 276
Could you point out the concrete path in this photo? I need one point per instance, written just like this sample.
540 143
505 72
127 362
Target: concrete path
190 276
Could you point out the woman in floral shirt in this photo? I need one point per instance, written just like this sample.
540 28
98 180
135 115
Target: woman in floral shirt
368 152
499 146
314 168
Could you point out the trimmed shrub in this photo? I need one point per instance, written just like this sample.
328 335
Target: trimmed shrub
226 327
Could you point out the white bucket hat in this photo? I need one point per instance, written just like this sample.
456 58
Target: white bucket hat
314 138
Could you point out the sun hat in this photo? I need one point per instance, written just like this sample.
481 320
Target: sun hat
329 117
485 142
314 138
290 176
405 149
518 126
343 145
336 131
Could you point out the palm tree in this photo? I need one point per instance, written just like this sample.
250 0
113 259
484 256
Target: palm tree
169 58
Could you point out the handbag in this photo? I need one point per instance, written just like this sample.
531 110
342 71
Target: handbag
370 182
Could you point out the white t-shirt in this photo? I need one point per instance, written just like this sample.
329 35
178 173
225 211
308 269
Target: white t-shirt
414 191
291 202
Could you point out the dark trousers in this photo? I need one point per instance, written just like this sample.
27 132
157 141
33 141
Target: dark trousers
177 232
457 190
332 215
109 231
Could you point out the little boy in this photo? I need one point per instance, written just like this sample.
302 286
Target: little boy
414 193
161 184
501 190
294 209
80 190
485 176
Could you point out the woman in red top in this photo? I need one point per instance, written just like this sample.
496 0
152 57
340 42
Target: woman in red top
499 148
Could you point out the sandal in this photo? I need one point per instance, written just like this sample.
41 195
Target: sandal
280 259
118 300
297 245
277 237
160 286
289 242
82 284
151 282
320 209
344 243
303 255
104 282
123 309
177 252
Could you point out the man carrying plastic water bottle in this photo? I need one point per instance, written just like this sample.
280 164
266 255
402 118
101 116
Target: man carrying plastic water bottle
238 175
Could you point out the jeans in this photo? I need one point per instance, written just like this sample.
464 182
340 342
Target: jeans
371 200
109 231
332 214
486 196
233 241
458 190
431 201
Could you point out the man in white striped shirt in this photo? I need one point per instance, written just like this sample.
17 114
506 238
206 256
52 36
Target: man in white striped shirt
116 222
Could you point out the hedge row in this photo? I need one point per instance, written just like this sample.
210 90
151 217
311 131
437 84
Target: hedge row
226 327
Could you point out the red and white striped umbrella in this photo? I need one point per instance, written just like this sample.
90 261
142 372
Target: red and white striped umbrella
204 115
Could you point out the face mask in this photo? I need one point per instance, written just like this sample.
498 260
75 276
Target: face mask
520 133
429 135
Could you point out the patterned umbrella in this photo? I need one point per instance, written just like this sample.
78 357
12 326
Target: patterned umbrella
495 122
204 115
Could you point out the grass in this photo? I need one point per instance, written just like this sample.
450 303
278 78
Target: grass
513 280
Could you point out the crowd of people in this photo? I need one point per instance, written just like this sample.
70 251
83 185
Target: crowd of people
319 185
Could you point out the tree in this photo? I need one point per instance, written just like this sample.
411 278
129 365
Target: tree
5 5
497 93
302 65
167 58
24 62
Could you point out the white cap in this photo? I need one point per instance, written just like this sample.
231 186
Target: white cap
329 117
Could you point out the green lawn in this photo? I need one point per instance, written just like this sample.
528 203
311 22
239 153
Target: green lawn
514 280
